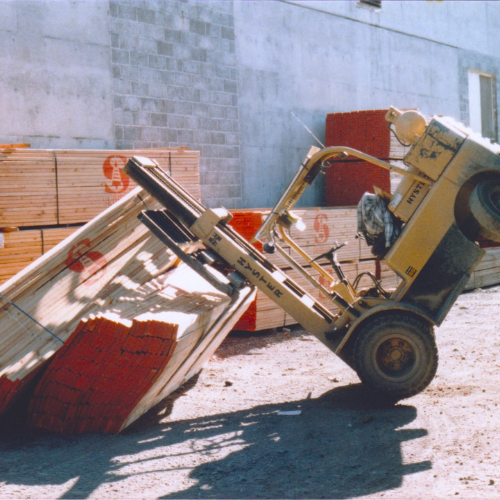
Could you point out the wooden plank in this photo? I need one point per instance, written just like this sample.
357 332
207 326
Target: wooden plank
487 272
15 146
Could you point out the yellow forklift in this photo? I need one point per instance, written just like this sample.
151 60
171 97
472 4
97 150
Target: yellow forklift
449 197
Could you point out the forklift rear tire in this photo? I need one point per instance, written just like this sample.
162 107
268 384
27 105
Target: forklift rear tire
485 207
395 354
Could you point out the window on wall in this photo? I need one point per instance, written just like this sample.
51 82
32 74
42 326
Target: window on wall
482 110
371 3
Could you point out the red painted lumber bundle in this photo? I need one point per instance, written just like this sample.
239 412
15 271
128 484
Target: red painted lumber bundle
365 131
98 376
246 223
116 366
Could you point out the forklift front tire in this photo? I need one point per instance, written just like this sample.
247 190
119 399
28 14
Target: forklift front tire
395 354
485 207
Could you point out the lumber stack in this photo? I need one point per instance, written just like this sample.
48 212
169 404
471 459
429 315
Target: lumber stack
20 248
366 131
324 227
41 305
50 187
116 366
487 272
50 193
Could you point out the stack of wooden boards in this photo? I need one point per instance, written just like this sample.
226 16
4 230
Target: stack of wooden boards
126 323
324 227
48 193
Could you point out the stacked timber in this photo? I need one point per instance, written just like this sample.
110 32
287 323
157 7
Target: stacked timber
106 300
20 248
49 187
50 193
325 227
487 272
116 366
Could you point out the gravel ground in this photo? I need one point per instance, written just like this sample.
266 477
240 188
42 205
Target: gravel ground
224 435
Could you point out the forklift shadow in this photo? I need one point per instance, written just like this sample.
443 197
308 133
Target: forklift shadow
341 445
344 444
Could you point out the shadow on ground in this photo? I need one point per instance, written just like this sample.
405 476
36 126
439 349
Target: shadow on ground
343 444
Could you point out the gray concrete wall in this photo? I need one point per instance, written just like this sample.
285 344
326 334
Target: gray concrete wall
296 58
469 25
55 82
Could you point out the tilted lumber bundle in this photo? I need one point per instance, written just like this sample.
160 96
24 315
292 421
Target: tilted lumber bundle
42 305
118 365
53 187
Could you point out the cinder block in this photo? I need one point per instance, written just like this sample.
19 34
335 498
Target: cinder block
159 120
217 138
199 27
145 15
164 48
227 33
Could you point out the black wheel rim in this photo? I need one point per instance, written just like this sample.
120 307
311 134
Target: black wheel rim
395 357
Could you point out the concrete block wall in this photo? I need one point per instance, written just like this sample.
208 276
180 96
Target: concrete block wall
175 84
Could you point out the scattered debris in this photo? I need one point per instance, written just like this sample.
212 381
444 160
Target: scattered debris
289 412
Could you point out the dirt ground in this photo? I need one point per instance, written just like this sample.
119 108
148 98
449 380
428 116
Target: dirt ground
225 434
